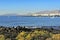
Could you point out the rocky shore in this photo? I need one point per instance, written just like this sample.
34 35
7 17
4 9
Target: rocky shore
10 33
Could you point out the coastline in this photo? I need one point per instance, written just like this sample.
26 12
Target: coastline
12 32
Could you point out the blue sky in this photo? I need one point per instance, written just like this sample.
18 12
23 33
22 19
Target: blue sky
27 6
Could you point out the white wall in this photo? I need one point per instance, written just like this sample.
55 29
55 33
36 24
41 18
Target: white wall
46 14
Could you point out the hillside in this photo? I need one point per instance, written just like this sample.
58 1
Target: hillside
47 13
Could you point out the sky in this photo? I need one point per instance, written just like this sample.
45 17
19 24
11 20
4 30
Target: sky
27 6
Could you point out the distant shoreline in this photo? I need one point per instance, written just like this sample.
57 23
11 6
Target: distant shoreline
32 16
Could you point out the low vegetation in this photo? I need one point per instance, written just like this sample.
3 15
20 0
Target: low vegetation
35 34
22 33
2 37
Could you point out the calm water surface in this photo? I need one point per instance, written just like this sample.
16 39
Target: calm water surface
29 21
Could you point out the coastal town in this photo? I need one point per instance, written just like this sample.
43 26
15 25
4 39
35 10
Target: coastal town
55 13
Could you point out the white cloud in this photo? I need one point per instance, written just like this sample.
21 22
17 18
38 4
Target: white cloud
18 12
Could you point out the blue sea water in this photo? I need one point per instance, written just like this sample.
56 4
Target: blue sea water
29 21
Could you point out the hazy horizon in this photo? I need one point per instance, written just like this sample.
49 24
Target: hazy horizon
27 6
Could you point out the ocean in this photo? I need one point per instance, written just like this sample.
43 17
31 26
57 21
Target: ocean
29 21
